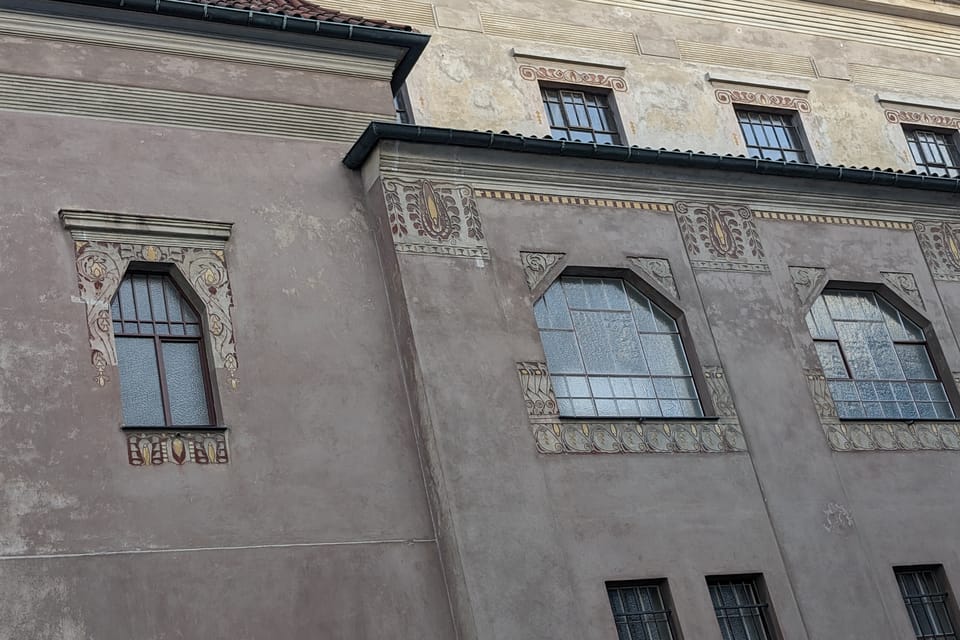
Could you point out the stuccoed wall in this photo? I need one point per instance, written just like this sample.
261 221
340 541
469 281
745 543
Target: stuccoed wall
318 526
538 534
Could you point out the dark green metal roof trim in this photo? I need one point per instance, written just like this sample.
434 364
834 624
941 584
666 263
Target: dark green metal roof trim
413 42
377 131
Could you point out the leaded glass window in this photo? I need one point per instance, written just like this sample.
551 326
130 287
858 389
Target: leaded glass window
612 352
935 152
926 602
580 116
740 608
875 359
163 379
772 136
639 611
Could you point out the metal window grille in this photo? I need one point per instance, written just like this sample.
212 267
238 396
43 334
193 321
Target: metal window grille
401 104
639 612
612 352
580 116
741 612
934 152
164 380
926 603
772 136
876 361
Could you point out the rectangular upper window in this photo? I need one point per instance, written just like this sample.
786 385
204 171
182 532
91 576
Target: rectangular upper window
935 152
580 116
741 607
927 602
640 610
772 135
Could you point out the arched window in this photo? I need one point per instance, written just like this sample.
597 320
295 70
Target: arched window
875 359
163 373
612 352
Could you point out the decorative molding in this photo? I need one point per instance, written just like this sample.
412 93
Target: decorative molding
662 207
538 391
195 46
720 237
160 107
904 435
434 218
102 263
899 116
720 392
141 229
808 282
572 76
844 220
658 270
904 284
779 101
639 437
940 244
536 265
152 448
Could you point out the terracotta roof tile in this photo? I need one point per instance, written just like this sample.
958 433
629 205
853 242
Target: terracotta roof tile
304 9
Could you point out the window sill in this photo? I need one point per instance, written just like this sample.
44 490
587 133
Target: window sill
213 428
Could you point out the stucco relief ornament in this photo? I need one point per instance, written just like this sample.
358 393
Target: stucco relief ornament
896 116
720 237
808 282
537 390
735 96
940 244
904 284
572 76
537 264
659 270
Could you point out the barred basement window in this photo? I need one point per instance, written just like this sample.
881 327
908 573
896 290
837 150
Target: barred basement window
580 116
927 603
740 607
935 152
640 611
772 135
164 379
612 352
875 359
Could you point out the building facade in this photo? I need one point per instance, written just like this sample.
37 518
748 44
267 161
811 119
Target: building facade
276 366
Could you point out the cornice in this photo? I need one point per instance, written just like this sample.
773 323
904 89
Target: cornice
143 229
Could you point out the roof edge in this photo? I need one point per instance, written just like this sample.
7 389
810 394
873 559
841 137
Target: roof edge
379 131
413 42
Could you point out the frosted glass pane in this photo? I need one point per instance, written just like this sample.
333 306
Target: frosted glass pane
188 400
155 285
664 354
818 319
173 301
143 299
126 300
643 314
576 293
139 383
857 348
601 388
578 387
115 308
551 309
664 321
609 342
916 363
188 314
560 348
831 360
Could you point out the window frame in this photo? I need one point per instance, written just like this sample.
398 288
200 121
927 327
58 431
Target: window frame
953 138
759 585
666 598
943 585
618 132
667 306
932 344
796 121
206 371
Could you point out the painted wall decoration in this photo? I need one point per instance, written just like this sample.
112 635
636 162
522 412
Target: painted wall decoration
808 281
152 448
658 270
720 237
940 243
778 101
898 116
572 76
904 284
100 267
537 264
434 218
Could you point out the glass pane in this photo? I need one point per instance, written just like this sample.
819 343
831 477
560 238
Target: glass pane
915 362
173 300
831 360
551 309
609 342
155 284
139 383
819 321
184 373
127 308
664 354
142 298
561 350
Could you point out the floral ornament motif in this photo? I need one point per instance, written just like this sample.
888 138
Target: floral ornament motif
808 282
659 270
904 284
734 96
152 448
537 264
537 390
571 76
896 116
639 437
940 244
720 237
434 218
